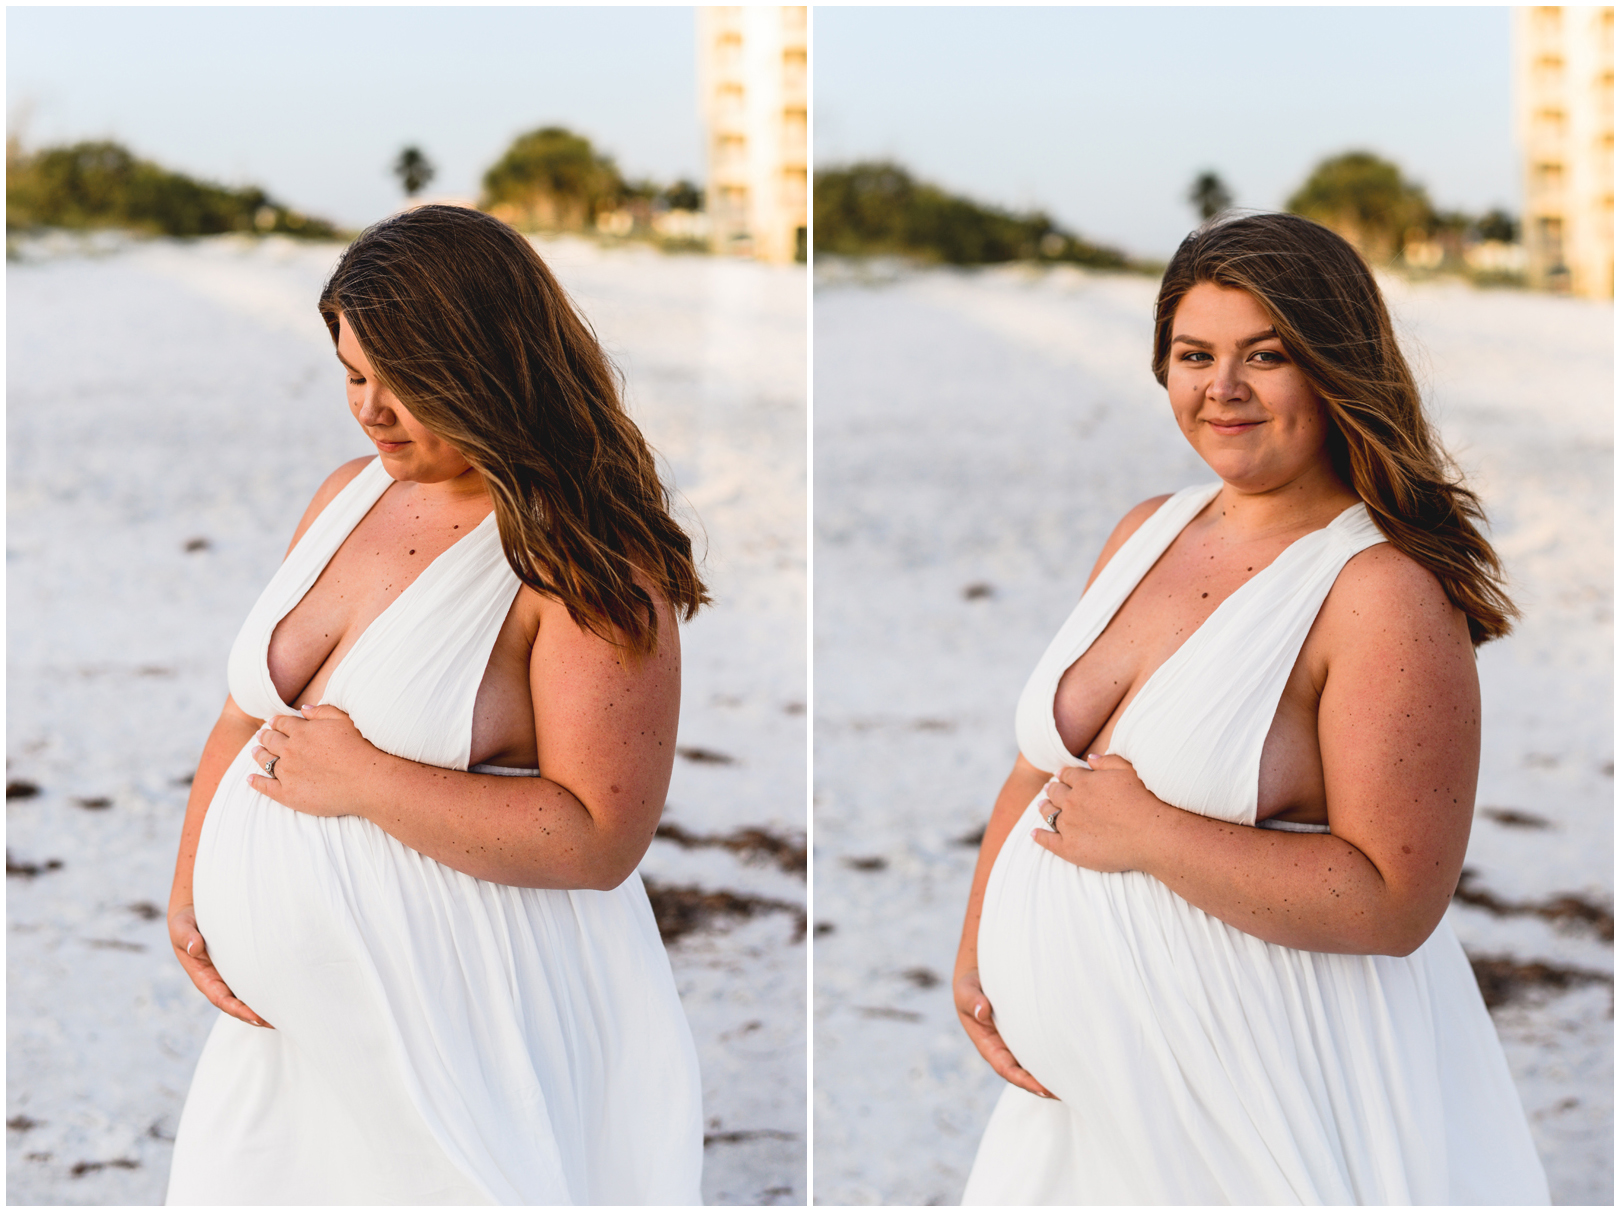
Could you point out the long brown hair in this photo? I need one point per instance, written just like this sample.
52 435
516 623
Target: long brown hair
461 319
1327 311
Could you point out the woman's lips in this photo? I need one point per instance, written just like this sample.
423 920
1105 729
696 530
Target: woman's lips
388 448
1233 427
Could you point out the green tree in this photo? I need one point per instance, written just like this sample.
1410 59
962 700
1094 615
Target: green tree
879 208
684 196
551 178
1365 199
1210 195
102 184
414 170
1498 224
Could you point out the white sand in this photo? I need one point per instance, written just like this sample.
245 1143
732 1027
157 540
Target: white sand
166 391
991 427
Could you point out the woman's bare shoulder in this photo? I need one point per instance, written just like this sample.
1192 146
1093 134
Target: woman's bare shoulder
1386 601
330 488
1125 529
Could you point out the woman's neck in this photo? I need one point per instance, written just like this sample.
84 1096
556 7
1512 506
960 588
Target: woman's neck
456 492
1306 503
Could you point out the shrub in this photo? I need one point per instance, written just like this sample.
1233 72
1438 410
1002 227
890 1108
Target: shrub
879 208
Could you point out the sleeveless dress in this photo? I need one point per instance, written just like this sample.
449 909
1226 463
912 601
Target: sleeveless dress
1195 1064
438 1039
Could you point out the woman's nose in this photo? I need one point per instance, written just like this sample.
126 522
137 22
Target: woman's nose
373 411
1227 384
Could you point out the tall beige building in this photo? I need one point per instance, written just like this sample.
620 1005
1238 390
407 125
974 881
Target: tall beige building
752 93
1564 119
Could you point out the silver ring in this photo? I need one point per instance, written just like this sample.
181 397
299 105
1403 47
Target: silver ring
1053 817
270 767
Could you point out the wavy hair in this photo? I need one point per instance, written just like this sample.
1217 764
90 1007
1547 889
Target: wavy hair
461 319
1327 311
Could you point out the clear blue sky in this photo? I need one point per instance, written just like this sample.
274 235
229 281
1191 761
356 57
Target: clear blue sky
1103 116
315 103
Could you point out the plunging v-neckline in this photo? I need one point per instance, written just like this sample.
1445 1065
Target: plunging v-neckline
1137 697
361 636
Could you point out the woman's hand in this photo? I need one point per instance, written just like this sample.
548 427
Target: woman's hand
1105 816
319 754
192 953
974 1010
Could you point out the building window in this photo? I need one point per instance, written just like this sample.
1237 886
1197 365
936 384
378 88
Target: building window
794 70
794 188
794 129
1549 177
1551 242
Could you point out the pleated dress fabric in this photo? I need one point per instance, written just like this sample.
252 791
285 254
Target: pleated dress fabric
1195 1064
438 1039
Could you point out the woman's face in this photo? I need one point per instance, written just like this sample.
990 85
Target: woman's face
1241 401
409 451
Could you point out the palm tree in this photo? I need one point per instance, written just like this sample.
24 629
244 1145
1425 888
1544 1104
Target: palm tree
1210 195
414 170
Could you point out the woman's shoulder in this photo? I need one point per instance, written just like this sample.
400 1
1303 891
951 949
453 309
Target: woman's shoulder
1384 596
330 488
1125 529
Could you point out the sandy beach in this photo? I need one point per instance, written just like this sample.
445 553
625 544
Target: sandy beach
172 407
976 435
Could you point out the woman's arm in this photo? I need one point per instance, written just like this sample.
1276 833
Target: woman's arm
1399 727
605 726
230 733
974 1009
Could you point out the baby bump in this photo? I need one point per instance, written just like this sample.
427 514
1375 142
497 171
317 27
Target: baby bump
270 904
1091 974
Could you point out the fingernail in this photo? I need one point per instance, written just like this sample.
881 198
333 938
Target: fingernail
978 1007
1092 758
190 944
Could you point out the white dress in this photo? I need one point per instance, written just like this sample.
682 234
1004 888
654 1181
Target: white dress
1195 1064
438 1039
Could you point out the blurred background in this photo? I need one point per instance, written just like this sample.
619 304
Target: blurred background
179 184
995 192
194 121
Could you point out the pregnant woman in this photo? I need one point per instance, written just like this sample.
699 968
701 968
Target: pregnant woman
416 900
1205 942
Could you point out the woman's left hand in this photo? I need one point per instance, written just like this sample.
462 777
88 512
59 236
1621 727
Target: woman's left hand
1105 815
318 753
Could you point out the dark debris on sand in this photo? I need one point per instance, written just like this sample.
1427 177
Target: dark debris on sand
694 753
1567 908
753 845
682 909
1503 979
28 870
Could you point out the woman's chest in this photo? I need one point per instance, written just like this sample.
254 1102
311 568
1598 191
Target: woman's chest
1168 619
374 566
1164 612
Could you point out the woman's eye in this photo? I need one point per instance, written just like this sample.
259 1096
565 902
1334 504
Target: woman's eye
1274 357
356 382
1196 356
